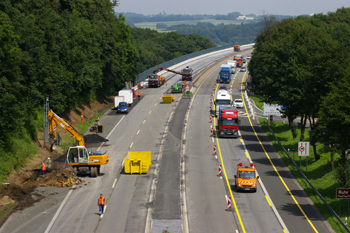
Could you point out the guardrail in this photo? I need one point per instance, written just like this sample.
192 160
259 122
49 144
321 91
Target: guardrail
307 180
143 75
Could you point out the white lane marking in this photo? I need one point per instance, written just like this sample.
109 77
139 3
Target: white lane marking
149 112
131 144
115 181
212 139
155 104
220 177
237 231
58 211
104 210
138 132
144 121
123 163
264 189
216 157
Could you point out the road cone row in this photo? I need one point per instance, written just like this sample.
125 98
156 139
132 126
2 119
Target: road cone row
220 170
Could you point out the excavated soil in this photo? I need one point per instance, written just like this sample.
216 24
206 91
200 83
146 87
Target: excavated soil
20 186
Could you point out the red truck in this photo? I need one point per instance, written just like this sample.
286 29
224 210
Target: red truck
228 122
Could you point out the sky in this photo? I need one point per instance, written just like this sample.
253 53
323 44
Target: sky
257 7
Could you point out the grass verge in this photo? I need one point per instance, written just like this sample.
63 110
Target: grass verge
68 141
258 102
5 211
318 172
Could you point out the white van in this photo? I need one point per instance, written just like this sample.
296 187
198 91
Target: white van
128 96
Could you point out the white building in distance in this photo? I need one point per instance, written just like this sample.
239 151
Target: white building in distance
243 17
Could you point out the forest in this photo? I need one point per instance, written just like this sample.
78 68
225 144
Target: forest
303 63
73 52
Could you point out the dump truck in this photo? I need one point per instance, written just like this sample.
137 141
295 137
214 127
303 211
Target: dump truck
246 177
178 88
155 80
236 48
78 156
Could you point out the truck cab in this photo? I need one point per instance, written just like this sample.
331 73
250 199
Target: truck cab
246 178
239 60
225 73
228 122
122 107
187 74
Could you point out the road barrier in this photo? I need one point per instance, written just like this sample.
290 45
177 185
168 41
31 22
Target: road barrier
214 149
220 170
229 203
307 180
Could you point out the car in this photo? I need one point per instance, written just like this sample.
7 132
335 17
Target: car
243 69
246 178
238 103
248 57
122 107
222 88
244 60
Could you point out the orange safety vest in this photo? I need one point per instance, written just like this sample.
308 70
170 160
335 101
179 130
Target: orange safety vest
139 93
101 201
43 167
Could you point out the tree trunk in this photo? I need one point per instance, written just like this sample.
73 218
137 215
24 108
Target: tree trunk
332 161
292 127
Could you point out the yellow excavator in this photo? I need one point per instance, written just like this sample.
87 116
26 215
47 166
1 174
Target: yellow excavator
78 156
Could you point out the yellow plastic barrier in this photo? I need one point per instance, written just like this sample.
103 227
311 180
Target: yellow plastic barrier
168 99
137 162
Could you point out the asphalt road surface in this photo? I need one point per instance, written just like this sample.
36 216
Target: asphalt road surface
153 202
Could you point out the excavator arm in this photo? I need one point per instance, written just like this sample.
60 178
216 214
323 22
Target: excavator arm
54 120
173 71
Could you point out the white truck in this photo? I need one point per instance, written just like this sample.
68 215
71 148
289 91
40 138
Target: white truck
223 98
128 96
233 65
117 100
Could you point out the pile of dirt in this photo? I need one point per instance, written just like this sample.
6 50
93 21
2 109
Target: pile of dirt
56 177
24 197
94 138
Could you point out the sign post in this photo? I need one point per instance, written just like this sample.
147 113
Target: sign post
303 150
343 193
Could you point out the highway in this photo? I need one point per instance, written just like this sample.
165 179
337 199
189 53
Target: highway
181 191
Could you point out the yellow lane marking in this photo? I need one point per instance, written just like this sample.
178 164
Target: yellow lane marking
267 199
224 170
285 185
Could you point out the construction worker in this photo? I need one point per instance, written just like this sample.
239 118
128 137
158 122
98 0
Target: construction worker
101 203
185 83
43 168
139 95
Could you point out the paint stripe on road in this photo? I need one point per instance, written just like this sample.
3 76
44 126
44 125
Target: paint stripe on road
138 132
131 144
115 181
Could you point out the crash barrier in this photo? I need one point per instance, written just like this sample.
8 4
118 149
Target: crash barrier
137 162
143 75
307 180
168 99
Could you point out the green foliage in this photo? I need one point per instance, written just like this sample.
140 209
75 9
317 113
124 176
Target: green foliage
221 34
155 48
161 25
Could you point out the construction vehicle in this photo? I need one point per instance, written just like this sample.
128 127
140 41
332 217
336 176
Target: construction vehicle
96 127
246 178
186 73
155 81
236 48
137 162
178 88
78 156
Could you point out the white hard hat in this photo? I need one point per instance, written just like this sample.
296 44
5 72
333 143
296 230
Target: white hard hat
48 158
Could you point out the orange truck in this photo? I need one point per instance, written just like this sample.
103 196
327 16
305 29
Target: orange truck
155 81
246 178
236 48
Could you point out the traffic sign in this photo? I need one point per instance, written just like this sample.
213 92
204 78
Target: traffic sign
303 148
187 88
343 193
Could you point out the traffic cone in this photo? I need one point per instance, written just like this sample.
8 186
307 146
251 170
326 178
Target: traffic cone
229 203
220 170
214 149
210 120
